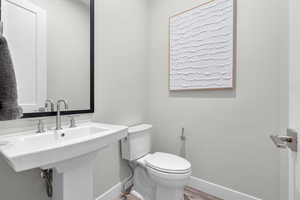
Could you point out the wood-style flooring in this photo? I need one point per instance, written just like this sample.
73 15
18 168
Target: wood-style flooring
189 194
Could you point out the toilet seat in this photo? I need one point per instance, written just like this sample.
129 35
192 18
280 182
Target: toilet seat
168 163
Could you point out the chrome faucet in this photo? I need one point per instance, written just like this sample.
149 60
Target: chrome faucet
58 116
49 102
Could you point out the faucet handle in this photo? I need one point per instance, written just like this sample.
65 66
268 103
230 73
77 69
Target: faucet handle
41 126
72 121
47 103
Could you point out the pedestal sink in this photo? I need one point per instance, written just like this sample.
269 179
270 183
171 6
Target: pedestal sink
69 152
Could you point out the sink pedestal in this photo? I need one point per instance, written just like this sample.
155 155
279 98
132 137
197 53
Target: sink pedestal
73 179
70 153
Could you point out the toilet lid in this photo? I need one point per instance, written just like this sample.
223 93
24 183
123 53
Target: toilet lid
168 163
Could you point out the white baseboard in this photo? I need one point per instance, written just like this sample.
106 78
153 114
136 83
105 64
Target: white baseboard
112 194
218 190
199 184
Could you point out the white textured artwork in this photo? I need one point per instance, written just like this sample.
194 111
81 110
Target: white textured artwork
202 47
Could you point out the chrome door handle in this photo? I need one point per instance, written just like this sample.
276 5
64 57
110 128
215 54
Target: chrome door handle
289 141
280 141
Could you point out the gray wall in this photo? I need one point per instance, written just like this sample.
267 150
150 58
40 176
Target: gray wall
121 77
227 131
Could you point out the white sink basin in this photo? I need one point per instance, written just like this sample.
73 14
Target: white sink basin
31 150
70 153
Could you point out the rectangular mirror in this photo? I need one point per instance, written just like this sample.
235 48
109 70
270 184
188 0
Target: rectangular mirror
52 47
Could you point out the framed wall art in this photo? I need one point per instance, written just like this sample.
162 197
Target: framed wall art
202 47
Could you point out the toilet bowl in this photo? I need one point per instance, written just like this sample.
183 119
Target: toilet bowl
157 176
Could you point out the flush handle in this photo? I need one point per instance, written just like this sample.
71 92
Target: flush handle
289 141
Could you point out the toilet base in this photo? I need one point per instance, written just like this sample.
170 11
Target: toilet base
163 193
150 190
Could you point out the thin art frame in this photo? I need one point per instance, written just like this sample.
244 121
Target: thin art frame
234 62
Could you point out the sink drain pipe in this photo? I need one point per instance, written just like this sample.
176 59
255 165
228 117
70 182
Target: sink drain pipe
126 189
47 175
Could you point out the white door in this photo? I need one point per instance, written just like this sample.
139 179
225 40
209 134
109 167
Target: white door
294 98
290 142
25 29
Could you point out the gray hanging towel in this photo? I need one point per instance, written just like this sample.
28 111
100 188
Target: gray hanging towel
9 108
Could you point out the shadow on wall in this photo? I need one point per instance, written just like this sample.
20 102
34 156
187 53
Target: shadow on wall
124 171
209 94
29 184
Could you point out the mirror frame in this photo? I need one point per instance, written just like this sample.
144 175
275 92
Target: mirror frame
92 78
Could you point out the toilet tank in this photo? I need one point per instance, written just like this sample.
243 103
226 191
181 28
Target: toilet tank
138 142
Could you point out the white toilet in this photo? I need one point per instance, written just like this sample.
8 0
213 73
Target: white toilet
158 176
